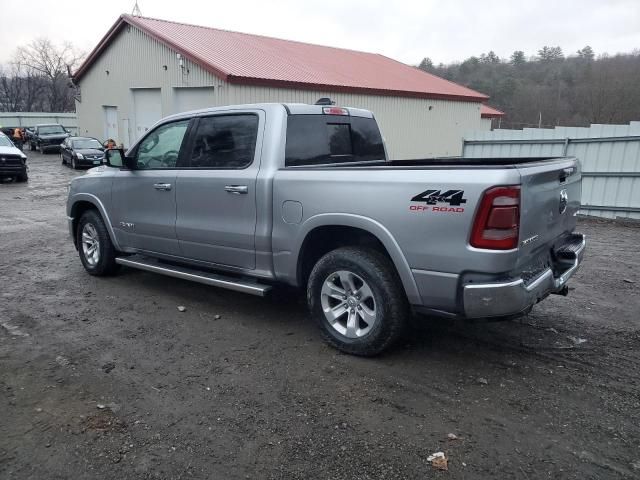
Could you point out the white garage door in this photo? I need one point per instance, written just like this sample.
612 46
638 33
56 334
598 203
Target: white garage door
192 98
147 109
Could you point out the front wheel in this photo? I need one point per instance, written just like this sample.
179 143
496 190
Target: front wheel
357 300
23 177
97 253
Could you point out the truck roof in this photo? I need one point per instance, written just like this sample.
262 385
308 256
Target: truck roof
290 108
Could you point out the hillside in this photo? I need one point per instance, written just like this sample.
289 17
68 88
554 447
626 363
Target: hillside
552 89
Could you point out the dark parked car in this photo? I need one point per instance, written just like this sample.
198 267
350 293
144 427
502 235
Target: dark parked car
81 152
47 137
13 163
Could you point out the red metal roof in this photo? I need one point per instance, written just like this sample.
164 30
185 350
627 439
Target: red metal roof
489 112
247 59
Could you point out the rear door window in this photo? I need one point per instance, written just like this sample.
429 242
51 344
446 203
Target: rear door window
326 139
225 142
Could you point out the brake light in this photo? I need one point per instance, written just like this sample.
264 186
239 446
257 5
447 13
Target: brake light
335 111
497 222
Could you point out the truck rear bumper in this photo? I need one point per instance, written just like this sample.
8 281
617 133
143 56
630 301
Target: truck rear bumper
513 297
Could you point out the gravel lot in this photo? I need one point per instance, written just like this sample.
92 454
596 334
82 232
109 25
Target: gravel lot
105 378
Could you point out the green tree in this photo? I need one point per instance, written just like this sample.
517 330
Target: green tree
426 64
517 58
549 54
490 57
586 53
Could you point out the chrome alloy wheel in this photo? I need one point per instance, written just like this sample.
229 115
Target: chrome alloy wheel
90 244
348 304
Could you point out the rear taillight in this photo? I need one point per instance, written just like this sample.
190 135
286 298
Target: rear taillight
497 222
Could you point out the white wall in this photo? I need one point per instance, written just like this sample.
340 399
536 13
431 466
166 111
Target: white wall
413 128
30 119
485 124
134 61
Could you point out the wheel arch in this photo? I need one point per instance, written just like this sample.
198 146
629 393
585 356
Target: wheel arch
323 233
83 202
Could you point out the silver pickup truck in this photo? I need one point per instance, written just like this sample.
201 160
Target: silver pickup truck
246 197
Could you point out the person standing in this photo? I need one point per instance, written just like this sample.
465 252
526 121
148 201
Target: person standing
17 138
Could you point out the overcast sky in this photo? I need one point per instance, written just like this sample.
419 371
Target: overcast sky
446 31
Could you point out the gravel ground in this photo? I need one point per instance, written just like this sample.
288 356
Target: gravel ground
105 378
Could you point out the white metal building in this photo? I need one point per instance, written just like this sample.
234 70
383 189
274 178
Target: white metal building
144 69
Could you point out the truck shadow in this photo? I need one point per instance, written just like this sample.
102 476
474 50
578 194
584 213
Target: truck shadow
284 311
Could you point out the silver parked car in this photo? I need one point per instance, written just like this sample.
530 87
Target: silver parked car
245 197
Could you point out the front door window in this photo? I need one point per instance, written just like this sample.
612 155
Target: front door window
160 149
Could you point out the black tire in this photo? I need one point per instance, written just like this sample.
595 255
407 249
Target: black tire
391 305
23 177
32 147
106 264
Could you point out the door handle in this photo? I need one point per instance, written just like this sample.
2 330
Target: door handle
237 189
162 186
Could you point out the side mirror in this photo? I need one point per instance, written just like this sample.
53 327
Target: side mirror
114 157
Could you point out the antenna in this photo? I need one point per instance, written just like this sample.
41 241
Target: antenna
136 10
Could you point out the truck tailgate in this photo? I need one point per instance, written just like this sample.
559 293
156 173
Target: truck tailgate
550 200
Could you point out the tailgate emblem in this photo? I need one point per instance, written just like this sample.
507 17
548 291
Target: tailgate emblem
564 200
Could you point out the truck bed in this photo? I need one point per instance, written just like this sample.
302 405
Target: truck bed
447 162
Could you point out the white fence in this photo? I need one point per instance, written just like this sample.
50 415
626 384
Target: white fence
610 157
30 119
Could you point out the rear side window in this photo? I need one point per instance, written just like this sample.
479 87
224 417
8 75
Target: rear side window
225 141
320 139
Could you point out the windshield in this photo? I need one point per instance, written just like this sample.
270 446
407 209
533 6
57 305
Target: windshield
50 129
86 143
5 142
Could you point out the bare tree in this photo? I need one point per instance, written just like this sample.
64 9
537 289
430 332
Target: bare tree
49 61
21 89
10 89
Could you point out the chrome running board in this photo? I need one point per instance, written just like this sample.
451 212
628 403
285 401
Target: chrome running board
199 276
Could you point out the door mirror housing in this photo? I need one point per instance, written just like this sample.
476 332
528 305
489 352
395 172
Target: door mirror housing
115 157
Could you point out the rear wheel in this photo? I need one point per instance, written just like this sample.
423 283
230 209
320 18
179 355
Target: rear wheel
23 177
97 253
357 300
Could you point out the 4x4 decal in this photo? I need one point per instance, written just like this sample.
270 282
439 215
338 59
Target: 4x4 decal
434 197
431 197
